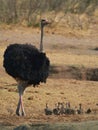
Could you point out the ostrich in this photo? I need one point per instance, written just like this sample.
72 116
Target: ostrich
68 109
62 109
56 110
47 110
27 65
80 110
88 111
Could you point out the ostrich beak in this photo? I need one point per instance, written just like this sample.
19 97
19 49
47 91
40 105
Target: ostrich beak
48 22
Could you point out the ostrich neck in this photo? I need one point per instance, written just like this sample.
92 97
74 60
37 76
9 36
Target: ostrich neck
41 41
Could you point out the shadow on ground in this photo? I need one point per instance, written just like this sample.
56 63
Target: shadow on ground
74 72
90 125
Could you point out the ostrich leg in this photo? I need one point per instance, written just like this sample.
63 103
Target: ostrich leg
20 106
21 89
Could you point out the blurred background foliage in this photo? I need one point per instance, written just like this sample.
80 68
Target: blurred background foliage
29 12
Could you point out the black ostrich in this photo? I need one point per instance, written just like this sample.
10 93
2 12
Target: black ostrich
28 65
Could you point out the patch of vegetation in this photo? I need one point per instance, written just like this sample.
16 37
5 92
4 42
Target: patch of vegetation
17 11
92 74
96 49
74 72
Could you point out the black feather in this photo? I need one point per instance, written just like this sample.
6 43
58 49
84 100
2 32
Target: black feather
26 62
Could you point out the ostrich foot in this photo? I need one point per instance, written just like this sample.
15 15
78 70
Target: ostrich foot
20 113
23 113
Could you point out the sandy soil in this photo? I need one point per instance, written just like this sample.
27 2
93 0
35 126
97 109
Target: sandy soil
62 51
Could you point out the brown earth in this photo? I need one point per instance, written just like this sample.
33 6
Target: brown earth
70 58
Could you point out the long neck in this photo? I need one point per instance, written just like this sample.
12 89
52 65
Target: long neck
41 41
80 106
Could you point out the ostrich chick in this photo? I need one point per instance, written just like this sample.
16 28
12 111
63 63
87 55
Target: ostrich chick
47 110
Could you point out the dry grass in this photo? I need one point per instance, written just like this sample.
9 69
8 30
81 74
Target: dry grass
73 59
74 91
56 90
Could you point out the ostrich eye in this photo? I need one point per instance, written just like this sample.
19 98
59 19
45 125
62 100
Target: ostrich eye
43 20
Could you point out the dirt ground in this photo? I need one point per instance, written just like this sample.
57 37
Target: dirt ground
64 52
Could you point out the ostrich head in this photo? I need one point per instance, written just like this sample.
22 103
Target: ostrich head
43 23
